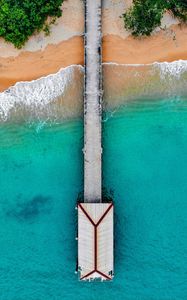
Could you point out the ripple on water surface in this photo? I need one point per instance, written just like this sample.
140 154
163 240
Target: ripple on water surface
145 166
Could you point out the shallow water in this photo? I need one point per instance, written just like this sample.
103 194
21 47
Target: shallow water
145 167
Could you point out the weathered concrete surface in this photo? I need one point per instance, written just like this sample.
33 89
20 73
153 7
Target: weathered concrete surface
92 103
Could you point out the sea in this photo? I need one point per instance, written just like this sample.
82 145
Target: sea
144 170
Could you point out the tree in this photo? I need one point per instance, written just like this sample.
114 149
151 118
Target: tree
145 15
19 19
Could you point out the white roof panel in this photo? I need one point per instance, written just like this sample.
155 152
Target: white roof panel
95 240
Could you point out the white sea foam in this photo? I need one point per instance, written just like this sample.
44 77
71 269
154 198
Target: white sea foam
175 69
37 94
170 64
38 97
123 82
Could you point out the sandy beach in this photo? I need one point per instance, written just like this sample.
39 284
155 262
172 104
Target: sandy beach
163 46
29 65
45 55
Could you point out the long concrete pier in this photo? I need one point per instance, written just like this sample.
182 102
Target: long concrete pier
95 219
92 103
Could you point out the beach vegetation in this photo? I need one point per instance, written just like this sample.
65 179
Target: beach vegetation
19 19
178 9
145 15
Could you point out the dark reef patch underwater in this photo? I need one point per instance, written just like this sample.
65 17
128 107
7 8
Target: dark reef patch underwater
145 165
29 210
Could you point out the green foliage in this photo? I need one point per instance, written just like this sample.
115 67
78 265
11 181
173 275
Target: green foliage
19 19
178 9
145 15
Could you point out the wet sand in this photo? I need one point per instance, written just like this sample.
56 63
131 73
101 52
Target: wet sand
166 45
32 65
46 55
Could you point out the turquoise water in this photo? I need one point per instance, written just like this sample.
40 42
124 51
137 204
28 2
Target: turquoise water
145 167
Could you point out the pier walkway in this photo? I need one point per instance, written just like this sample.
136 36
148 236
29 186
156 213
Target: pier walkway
92 103
95 219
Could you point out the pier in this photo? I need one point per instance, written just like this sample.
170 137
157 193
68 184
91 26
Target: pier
95 219
92 103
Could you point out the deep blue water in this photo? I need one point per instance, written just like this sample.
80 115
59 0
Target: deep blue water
145 167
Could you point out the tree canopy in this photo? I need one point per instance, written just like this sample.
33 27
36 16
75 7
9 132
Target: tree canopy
145 15
19 19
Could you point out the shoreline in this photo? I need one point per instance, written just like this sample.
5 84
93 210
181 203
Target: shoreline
59 95
164 46
42 56
34 65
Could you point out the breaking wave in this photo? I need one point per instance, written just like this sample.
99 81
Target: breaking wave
59 96
151 81
56 95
